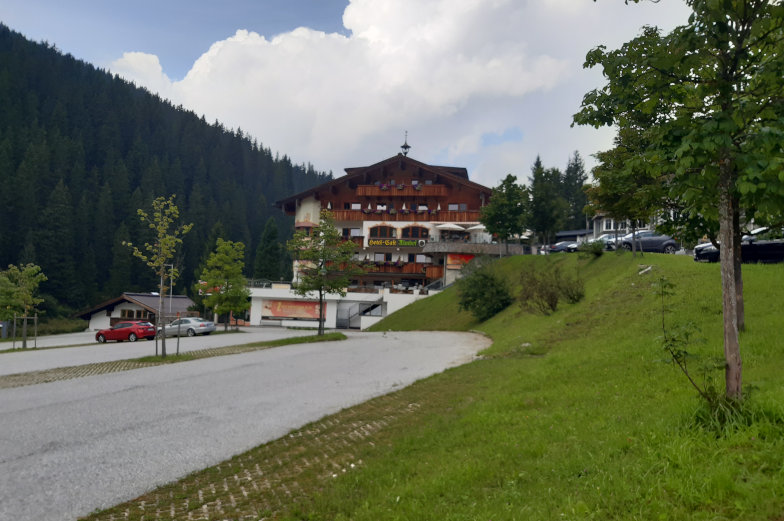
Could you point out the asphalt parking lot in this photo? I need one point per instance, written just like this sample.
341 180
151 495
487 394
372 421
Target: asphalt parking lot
70 447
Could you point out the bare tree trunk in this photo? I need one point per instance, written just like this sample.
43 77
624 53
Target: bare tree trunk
321 313
729 290
738 258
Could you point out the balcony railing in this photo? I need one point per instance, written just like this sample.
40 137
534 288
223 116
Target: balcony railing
400 216
406 191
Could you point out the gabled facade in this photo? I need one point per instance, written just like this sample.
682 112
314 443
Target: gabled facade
412 223
136 306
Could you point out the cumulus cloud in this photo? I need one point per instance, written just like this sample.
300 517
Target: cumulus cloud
448 71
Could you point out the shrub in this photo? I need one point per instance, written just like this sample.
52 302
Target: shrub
595 248
542 289
482 292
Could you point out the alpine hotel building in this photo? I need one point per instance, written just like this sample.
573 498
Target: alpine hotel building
414 226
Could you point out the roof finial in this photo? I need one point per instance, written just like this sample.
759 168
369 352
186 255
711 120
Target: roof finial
405 146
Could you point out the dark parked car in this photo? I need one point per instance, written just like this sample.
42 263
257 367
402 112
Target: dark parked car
649 240
190 326
130 330
761 245
562 246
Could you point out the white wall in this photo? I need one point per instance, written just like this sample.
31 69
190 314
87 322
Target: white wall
309 210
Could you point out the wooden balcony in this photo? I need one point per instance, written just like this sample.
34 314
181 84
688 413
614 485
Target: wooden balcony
434 272
412 270
398 216
407 191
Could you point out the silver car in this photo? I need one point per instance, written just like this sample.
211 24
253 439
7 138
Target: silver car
190 326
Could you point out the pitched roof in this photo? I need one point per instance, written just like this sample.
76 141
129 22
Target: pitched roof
454 173
171 304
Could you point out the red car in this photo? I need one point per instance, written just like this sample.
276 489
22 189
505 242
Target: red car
130 330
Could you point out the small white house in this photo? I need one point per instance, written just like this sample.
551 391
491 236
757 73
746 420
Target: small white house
135 306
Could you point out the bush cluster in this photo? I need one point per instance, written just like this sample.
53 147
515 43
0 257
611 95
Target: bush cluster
482 292
542 288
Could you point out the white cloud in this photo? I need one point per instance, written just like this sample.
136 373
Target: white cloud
448 71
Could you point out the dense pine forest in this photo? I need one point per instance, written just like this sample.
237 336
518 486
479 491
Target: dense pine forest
81 150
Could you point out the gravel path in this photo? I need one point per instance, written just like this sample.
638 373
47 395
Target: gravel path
69 447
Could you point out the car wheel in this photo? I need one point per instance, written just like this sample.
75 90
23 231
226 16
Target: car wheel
132 337
669 249
191 332
101 339
627 247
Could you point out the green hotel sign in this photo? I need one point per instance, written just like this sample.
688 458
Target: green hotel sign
397 243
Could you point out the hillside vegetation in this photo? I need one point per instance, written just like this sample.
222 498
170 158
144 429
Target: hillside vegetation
82 150
580 414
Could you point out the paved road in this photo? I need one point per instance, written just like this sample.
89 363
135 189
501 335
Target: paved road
89 351
69 447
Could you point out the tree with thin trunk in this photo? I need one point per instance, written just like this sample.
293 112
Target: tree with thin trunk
228 291
325 262
506 214
19 293
160 254
711 91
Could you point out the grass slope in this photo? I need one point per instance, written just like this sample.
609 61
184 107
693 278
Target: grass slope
579 415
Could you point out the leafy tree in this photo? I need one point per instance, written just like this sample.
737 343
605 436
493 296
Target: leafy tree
711 93
159 255
18 293
269 254
223 275
506 214
325 262
548 207
625 189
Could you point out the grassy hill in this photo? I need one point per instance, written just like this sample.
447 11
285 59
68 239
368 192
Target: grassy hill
580 414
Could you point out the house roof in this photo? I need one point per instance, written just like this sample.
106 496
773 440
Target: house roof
453 173
171 304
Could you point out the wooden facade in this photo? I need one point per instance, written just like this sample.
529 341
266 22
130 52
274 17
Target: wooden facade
395 196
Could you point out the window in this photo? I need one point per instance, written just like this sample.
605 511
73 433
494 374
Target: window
356 206
380 206
428 181
463 207
414 182
415 232
127 313
378 257
452 207
411 257
346 232
356 232
383 232
421 258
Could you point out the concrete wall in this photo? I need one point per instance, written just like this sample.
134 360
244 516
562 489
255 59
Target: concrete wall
391 303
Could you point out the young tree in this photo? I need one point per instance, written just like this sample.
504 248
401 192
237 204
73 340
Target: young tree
159 255
223 275
624 187
19 293
506 214
711 91
325 262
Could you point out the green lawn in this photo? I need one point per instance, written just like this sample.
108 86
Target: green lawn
579 415
573 416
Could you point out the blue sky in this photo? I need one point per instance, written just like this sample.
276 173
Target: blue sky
336 83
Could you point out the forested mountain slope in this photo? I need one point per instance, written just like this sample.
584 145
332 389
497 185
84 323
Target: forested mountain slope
81 150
